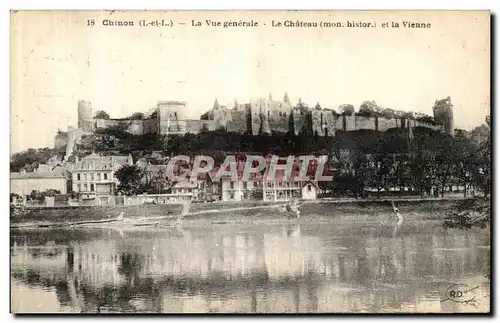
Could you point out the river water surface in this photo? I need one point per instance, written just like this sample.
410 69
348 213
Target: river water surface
345 265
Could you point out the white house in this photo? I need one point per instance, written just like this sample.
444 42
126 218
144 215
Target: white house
309 190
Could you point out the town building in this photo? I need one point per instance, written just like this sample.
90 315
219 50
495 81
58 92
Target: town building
93 178
185 190
240 190
42 179
309 190
281 190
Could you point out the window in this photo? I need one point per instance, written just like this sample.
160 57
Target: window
78 177
105 176
85 188
92 176
254 184
309 188
85 176
244 185
268 113
279 113
232 185
284 114
91 187
175 114
78 188
98 176
231 196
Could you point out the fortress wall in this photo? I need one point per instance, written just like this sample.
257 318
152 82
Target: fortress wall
236 121
235 115
363 122
255 118
220 118
111 122
298 121
150 125
339 123
193 126
331 122
266 128
316 116
350 122
279 124
386 123
238 125
136 127
437 127
100 123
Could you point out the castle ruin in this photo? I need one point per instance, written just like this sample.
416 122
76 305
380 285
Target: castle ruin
260 116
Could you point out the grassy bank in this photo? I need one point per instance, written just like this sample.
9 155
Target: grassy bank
240 212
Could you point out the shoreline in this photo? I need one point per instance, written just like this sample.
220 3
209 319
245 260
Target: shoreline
216 213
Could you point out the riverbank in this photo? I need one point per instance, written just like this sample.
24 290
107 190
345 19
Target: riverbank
221 213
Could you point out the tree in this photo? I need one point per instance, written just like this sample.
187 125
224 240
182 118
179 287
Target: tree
205 116
14 196
137 116
475 212
101 115
31 158
346 109
154 115
130 177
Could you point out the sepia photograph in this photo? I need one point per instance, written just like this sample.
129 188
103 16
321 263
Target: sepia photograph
250 162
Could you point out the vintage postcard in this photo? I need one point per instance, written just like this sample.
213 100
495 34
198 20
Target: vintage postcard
250 162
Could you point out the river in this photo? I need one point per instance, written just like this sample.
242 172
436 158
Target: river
346 265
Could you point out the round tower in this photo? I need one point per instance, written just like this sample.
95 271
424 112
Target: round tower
172 116
85 116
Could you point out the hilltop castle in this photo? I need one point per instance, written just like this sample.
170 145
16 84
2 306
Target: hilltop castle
258 116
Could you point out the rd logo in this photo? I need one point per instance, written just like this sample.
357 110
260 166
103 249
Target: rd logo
460 293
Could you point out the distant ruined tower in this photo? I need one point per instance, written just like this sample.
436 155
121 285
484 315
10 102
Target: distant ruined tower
443 113
172 117
85 116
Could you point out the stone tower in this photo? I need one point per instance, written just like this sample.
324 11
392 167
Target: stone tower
172 117
443 113
85 116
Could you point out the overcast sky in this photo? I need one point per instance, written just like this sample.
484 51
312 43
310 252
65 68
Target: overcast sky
57 60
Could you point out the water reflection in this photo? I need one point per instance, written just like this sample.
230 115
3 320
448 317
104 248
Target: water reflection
327 267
